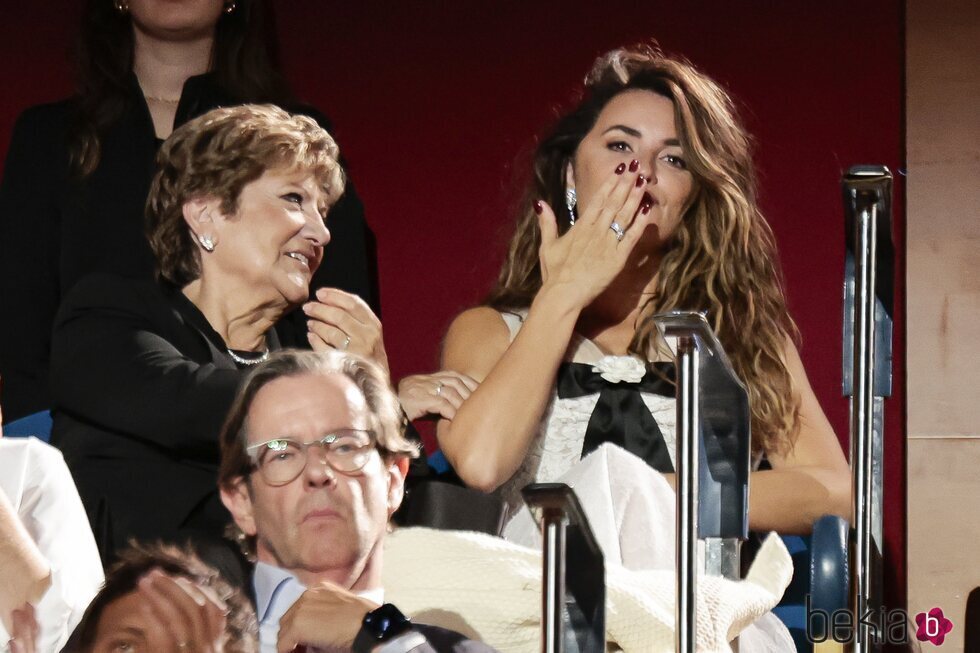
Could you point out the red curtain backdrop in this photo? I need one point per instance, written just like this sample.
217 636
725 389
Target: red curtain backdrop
435 102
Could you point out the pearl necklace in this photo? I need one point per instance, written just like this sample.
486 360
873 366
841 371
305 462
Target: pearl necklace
248 361
164 100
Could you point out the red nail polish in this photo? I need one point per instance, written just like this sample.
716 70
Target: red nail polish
640 181
537 207
634 165
620 168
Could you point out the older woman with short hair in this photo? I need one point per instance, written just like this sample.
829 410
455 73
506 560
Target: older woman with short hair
143 373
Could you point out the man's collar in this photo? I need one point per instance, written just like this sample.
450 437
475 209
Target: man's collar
270 581
272 584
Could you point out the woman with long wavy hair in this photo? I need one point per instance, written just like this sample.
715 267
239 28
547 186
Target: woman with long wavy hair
643 200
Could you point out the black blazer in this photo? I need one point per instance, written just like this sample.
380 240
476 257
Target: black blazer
448 641
141 386
55 229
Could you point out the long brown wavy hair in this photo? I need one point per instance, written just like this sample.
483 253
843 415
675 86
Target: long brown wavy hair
244 61
723 257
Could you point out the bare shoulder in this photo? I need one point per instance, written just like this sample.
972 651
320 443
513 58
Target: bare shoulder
475 341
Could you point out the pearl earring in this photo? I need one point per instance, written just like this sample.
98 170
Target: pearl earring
207 243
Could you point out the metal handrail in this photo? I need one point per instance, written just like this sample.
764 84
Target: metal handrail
712 461
868 299
558 510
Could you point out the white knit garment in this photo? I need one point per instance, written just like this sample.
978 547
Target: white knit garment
490 589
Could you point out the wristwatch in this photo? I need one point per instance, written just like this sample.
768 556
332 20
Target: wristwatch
379 626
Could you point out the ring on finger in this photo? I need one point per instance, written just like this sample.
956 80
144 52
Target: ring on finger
346 344
618 230
439 385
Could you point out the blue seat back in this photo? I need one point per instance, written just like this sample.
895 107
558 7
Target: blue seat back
37 424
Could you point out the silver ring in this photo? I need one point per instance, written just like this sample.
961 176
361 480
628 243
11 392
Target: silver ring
617 230
439 388
346 344
182 646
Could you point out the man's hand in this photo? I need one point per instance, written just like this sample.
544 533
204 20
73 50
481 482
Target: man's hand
325 616
192 617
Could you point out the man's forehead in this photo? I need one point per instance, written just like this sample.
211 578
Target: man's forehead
319 401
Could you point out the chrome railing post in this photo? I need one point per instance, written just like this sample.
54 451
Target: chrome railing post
553 524
867 375
688 441
712 462
565 529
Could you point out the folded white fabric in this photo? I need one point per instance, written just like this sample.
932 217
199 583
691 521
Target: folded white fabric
490 589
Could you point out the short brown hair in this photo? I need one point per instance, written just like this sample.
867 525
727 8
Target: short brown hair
216 155
241 629
385 412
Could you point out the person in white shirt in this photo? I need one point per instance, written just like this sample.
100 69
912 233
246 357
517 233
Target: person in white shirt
313 463
48 559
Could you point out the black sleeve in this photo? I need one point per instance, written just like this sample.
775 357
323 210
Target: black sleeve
111 366
29 240
449 641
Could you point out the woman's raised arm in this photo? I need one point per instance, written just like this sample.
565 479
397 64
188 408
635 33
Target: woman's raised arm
490 435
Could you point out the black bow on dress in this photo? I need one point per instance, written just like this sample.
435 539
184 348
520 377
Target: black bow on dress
620 416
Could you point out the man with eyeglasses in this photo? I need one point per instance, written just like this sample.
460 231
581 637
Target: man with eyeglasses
313 463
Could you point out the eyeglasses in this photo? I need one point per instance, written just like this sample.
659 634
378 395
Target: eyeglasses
281 460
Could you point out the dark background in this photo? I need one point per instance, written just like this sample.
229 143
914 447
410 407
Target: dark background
433 103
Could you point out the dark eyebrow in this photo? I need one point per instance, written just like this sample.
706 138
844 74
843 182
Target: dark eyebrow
629 130
127 629
636 134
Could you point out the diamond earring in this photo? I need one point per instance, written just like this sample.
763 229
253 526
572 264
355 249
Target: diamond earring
570 199
207 243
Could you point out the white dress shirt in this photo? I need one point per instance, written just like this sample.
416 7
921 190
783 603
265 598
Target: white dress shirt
36 481
275 592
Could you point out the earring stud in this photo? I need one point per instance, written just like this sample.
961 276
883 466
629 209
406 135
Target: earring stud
207 243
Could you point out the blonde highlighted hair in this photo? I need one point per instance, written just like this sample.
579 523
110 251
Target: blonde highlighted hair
723 257
216 155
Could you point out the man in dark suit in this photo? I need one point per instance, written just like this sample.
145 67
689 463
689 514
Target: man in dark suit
313 464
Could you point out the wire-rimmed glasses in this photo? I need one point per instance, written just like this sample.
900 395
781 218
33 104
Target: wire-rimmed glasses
281 460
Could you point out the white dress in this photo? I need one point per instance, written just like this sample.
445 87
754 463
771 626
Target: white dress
630 506
557 447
